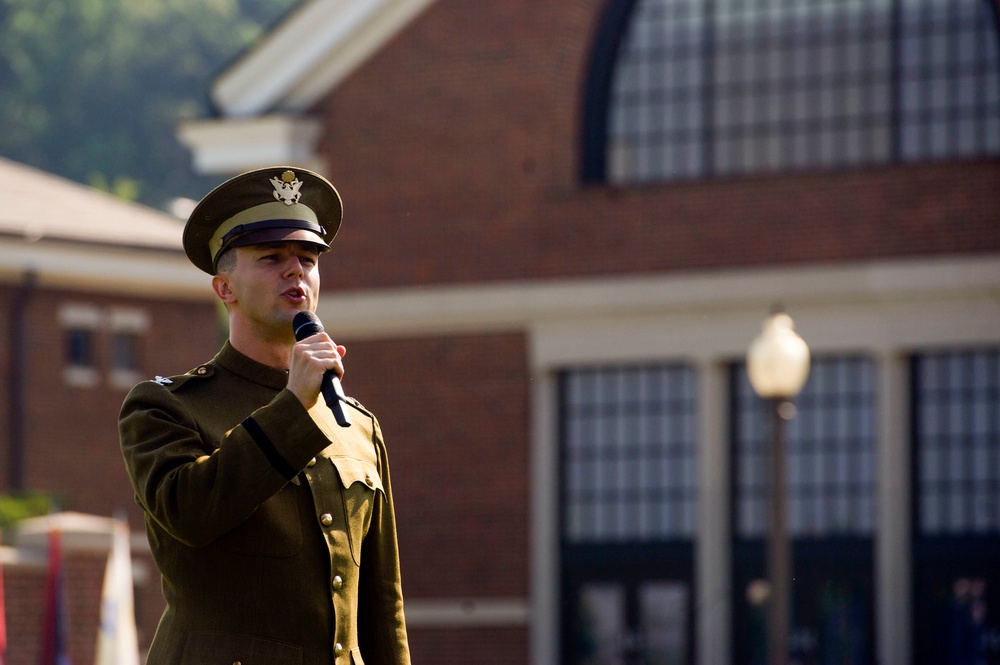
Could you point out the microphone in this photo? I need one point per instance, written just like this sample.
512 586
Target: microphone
306 324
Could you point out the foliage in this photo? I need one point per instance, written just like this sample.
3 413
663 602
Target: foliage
22 505
93 90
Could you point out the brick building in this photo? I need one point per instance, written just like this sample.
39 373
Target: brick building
97 295
564 223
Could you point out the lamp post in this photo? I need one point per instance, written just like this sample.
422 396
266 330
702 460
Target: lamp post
778 365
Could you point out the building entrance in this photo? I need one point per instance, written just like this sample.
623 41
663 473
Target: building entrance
957 603
832 603
641 614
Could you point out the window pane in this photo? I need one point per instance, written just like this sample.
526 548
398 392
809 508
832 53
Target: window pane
79 348
733 87
957 442
628 453
656 115
601 617
830 448
663 623
124 352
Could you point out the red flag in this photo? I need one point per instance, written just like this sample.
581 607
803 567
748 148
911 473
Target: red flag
54 626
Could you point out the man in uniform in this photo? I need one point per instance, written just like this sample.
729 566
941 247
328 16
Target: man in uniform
272 525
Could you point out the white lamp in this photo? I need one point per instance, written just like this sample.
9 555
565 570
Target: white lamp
778 359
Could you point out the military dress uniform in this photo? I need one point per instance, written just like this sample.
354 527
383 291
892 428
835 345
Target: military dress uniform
272 526
261 562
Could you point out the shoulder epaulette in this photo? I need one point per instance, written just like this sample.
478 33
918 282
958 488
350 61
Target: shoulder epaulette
174 382
357 405
208 369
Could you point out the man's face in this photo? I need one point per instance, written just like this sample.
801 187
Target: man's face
271 283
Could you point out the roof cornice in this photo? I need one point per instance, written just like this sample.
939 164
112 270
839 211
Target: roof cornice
75 266
885 305
308 54
221 145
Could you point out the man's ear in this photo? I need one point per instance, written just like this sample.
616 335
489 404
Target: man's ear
222 288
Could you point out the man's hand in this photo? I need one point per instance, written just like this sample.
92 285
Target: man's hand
311 358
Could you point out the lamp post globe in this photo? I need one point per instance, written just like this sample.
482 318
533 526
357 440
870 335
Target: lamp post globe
778 359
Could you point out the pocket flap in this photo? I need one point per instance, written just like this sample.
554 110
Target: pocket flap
357 471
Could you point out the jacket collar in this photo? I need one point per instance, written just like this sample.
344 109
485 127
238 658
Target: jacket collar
251 370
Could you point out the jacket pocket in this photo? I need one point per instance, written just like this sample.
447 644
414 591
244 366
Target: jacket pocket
361 484
218 648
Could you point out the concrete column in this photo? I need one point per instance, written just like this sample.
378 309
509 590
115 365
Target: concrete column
544 615
893 614
713 559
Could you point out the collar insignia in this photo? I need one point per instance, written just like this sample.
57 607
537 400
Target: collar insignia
286 189
162 380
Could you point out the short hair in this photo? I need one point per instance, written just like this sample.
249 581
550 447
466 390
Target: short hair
226 262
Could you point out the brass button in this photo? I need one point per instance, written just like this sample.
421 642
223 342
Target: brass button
338 649
369 481
338 582
326 519
311 462
203 371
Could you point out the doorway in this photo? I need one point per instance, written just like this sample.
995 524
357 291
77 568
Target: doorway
640 615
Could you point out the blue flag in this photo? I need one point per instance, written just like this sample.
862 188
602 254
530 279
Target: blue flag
55 644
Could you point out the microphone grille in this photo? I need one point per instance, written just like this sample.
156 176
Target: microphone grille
306 324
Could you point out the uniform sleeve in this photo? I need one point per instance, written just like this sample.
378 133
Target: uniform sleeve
197 492
381 625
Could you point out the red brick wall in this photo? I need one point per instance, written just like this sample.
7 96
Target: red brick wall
24 587
454 412
824 217
72 432
25 595
71 449
456 151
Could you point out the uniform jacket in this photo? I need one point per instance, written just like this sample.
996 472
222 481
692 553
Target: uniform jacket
272 526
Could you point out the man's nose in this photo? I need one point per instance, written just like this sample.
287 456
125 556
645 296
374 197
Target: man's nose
293 267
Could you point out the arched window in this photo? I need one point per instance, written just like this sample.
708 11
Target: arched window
699 88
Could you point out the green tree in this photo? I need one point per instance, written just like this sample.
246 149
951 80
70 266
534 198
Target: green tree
93 90
18 506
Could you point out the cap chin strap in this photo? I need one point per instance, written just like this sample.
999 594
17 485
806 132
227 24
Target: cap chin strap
244 229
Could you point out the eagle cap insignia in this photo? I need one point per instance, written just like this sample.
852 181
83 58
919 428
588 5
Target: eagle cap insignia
286 188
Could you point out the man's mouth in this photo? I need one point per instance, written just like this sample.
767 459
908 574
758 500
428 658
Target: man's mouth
295 294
